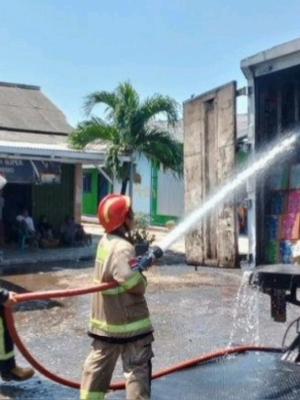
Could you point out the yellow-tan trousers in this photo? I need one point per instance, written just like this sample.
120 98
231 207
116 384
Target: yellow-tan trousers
99 366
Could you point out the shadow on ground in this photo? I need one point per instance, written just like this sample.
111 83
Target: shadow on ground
36 389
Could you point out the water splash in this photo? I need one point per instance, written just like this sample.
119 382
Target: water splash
245 329
258 165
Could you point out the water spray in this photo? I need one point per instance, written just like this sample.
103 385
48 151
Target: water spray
259 164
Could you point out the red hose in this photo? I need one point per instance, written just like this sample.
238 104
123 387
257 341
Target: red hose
52 294
119 385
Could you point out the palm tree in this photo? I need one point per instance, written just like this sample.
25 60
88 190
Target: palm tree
128 130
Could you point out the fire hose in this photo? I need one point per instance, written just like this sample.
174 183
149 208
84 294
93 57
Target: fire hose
47 295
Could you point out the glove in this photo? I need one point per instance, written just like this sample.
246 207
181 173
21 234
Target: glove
145 262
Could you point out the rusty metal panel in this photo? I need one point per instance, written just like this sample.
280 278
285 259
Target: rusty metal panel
209 150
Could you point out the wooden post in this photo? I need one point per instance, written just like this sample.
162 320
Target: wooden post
296 101
78 183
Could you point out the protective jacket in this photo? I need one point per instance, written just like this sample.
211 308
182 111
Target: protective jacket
121 312
3 296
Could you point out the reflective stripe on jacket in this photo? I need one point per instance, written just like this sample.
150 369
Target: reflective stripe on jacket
122 311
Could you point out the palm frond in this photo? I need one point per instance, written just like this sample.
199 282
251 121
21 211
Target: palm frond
159 147
92 130
153 106
128 129
128 104
101 97
127 95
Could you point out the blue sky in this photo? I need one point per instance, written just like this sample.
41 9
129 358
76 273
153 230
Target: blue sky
175 47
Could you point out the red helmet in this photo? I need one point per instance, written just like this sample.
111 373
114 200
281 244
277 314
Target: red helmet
113 211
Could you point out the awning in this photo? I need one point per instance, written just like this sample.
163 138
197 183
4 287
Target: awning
59 153
46 147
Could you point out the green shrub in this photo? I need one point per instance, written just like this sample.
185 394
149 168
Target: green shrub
140 233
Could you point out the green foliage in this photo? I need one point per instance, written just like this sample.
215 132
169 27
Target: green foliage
127 129
140 234
170 224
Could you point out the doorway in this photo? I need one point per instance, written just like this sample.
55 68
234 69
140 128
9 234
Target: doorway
16 198
103 187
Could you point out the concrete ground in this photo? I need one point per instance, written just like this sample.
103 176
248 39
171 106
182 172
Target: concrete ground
193 312
13 258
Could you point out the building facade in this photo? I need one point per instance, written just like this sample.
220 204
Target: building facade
43 172
157 194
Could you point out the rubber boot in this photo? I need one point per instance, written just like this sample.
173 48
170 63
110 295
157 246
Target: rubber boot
17 374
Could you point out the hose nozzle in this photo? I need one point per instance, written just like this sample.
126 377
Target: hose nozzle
157 252
147 260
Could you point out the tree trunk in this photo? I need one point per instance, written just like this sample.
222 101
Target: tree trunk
124 186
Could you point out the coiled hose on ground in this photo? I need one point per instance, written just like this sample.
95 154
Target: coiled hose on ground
47 295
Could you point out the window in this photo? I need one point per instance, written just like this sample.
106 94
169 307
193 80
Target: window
87 183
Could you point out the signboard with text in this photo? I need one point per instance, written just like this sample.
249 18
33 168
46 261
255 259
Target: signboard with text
30 172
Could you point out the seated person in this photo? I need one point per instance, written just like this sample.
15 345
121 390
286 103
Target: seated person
68 232
8 367
81 237
73 234
46 235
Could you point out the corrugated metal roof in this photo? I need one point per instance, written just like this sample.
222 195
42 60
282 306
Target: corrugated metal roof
55 152
54 147
46 146
35 138
281 50
51 146
26 108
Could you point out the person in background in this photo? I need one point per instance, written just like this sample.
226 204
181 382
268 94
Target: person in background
81 237
24 216
9 370
27 232
45 233
68 232
73 234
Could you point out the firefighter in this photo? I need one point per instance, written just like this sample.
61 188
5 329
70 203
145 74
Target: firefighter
9 370
120 323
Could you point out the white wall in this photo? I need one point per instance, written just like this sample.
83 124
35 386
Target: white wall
142 191
170 195
170 192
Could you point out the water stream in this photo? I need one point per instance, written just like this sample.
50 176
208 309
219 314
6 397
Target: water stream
258 165
245 328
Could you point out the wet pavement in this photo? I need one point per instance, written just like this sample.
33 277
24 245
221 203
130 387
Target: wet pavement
192 312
